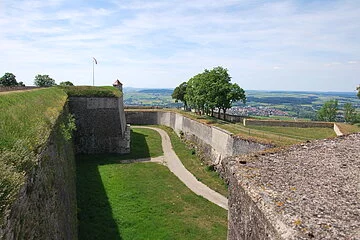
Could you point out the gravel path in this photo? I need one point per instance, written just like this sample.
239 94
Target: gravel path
171 160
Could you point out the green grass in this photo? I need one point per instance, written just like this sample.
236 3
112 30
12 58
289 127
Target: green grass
278 136
27 120
348 128
298 133
141 200
145 143
90 91
193 164
29 116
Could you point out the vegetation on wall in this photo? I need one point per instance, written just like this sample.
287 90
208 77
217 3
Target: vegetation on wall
27 120
67 83
90 91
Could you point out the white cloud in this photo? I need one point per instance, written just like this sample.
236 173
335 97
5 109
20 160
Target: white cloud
161 43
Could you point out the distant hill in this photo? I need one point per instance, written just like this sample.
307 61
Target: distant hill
165 91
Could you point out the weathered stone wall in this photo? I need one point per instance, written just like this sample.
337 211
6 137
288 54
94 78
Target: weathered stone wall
308 191
232 118
101 125
215 143
255 122
46 205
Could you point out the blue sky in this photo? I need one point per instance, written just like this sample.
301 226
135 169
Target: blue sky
266 45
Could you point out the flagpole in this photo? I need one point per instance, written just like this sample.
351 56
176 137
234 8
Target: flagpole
93 72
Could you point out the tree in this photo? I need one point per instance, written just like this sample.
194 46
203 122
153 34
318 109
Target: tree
8 80
179 94
213 89
67 83
328 111
349 113
44 81
195 93
358 88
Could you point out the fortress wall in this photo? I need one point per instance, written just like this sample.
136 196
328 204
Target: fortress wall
254 122
241 146
141 117
100 125
122 115
46 205
215 143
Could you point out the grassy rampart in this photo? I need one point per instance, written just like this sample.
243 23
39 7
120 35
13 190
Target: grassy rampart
89 91
27 120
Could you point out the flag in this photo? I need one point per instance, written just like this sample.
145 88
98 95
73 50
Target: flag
95 60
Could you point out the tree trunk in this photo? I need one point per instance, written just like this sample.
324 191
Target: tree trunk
219 113
224 109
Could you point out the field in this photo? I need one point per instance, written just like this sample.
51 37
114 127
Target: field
279 136
141 200
302 105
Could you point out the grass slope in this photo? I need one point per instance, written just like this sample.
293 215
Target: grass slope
141 200
29 116
27 119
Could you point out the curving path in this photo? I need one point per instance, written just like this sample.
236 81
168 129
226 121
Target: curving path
171 160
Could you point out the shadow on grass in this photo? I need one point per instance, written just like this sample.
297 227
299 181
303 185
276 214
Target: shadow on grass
94 210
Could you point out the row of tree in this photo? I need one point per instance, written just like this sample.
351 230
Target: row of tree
209 91
328 112
9 80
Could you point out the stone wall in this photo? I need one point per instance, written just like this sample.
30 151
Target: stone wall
215 143
46 205
101 125
255 122
16 88
306 191
231 118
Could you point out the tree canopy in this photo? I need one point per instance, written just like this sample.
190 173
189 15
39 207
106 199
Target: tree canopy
328 111
67 83
349 113
179 93
210 90
358 94
44 81
8 80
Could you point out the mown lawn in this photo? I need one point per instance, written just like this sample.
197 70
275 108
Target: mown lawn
141 200
193 163
298 133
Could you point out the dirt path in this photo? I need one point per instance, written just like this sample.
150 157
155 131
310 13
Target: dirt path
171 160
17 91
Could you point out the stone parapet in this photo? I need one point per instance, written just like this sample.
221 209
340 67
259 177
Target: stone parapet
309 191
